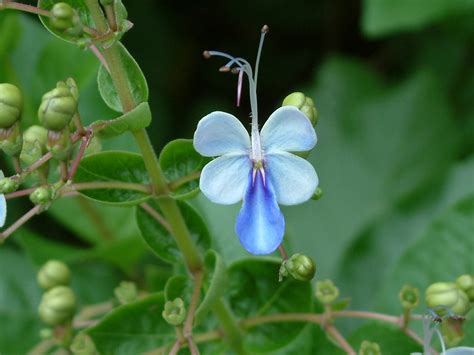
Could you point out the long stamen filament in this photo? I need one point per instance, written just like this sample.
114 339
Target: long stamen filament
259 52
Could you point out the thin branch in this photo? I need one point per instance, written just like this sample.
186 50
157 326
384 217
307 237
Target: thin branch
22 220
26 8
188 324
97 185
337 336
19 193
283 253
99 56
157 216
367 315
283 317
173 185
75 164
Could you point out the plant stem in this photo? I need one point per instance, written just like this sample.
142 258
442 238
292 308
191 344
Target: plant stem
367 315
95 185
156 215
232 331
27 8
284 317
173 185
20 193
22 220
188 324
337 336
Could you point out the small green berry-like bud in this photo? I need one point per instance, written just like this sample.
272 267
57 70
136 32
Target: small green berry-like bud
304 104
57 108
466 283
174 312
82 344
317 194
62 16
449 295
11 103
326 291
8 185
57 305
126 292
11 140
41 195
409 296
53 273
369 348
301 267
34 144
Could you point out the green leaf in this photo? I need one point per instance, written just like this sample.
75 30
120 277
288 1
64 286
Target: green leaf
181 165
19 299
391 339
79 5
179 286
161 240
383 17
443 253
136 81
215 283
254 290
113 166
121 16
138 118
133 328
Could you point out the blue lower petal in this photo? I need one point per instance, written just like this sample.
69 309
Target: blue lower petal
260 224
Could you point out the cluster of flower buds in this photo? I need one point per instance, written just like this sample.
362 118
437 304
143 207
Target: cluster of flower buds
455 296
174 312
11 106
58 303
301 267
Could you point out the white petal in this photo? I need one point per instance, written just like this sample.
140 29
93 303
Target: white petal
461 350
287 129
224 179
221 133
293 178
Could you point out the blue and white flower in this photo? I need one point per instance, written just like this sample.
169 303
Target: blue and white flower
259 168
3 206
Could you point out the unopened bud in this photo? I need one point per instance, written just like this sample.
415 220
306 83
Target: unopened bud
11 104
369 348
11 140
466 283
317 194
300 267
82 344
57 108
326 291
53 273
126 292
8 185
59 144
57 305
62 16
174 312
409 296
304 104
41 195
447 294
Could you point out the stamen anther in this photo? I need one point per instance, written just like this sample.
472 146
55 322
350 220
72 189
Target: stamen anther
265 29
224 69
206 54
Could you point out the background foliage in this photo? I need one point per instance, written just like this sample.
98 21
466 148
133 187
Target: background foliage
394 85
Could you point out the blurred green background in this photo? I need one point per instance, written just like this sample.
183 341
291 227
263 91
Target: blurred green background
393 81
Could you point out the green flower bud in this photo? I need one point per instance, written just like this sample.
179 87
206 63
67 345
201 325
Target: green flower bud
326 291
126 292
304 104
174 312
451 329
466 283
11 140
53 273
8 185
59 144
11 103
301 267
369 348
317 194
57 306
82 344
34 144
62 16
449 295
57 108
409 296
71 84
41 195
